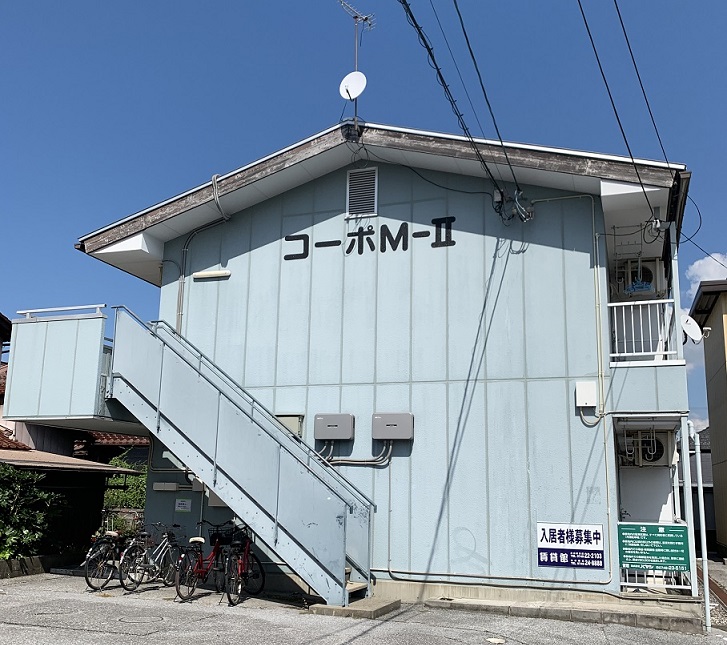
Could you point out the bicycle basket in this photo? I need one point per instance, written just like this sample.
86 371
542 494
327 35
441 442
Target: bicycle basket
224 536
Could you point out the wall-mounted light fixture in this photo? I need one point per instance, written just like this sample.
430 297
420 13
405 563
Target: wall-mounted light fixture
212 275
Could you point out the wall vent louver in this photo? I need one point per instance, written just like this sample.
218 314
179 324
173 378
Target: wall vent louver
362 192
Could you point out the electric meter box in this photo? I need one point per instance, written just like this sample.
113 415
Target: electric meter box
398 425
333 427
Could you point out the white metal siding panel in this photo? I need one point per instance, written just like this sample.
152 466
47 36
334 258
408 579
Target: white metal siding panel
293 314
544 305
508 488
326 306
393 319
467 272
232 305
262 305
469 506
504 308
359 314
578 284
429 297
429 508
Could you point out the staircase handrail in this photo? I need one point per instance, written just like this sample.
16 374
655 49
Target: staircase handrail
256 405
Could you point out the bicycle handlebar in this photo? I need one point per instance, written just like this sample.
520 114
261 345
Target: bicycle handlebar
216 526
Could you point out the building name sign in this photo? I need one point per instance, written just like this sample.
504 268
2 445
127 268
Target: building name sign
573 546
365 239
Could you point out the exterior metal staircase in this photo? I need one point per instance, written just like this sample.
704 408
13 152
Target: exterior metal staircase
311 516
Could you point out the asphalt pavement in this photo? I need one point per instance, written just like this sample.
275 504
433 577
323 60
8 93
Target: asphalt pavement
60 610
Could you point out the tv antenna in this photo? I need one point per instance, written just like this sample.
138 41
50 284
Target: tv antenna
354 83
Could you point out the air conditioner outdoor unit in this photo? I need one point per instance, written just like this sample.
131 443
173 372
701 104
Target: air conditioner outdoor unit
647 448
641 279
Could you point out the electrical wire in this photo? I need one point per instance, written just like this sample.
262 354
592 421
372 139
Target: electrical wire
613 106
699 226
709 255
424 41
461 80
484 93
371 153
638 76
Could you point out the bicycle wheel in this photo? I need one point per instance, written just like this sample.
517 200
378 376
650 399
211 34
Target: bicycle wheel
218 572
254 576
234 579
99 565
132 567
168 569
185 579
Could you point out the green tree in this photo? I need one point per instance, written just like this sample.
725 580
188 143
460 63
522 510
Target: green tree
26 511
133 493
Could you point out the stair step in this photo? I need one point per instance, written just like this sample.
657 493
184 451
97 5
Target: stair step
353 587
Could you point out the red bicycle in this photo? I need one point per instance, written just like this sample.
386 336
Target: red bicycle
244 570
193 567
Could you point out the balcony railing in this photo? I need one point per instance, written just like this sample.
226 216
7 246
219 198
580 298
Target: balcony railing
643 330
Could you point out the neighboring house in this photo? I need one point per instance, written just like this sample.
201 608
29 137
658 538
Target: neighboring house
80 481
450 368
709 311
49 450
104 446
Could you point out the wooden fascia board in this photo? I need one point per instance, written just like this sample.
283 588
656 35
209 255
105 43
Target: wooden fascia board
547 160
230 183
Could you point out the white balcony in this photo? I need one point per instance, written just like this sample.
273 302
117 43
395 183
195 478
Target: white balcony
643 331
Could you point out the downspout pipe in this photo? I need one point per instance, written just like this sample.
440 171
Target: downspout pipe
694 436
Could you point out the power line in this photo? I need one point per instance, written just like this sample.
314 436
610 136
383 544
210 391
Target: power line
709 255
424 41
461 80
484 91
638 75
613 106
658 136
699 226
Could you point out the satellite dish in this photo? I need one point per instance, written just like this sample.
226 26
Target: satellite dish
352 86
691 328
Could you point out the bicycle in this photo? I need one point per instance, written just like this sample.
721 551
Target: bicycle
106 549
193 567
243 568
100 562
142 560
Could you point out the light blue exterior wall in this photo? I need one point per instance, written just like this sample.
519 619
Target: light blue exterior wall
60 371
483 341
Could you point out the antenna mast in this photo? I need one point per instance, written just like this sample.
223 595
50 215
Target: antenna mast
368 24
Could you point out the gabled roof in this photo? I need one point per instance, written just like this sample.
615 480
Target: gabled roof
135 243
707 295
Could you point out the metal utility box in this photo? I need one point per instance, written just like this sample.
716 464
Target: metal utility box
331 427
393 426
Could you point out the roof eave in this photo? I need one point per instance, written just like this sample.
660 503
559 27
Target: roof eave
327 151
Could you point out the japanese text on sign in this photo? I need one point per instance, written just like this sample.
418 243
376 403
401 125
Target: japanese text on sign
663 547
578 546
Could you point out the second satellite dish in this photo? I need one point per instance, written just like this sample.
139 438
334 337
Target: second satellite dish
352 86
691 328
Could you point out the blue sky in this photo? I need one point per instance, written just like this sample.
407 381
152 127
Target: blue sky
108 108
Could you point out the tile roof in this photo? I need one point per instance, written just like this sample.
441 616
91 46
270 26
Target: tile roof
10 444
113 439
